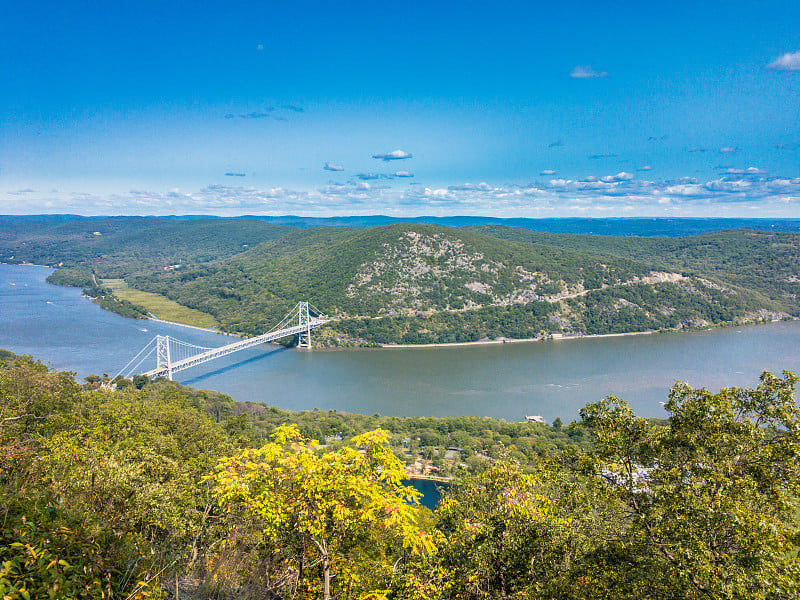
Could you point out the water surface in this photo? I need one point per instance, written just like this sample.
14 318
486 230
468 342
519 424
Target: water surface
552 378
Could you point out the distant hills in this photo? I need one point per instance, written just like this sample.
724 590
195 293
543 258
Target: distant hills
121 246
622 226
427 283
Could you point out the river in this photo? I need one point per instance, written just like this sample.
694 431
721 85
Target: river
552 378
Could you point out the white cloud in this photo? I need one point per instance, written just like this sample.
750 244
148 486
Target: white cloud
560 183
728 150
547 172
686 189
747 171
645 168
403 174
728 185
586 72
623 176
467 187
787 62
393 155
333 167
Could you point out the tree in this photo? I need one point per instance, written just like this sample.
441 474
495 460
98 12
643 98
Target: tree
504 535
711 497
334 514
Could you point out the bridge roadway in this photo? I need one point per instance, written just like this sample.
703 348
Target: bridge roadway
197 359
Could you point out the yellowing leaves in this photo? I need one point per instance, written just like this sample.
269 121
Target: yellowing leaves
339 502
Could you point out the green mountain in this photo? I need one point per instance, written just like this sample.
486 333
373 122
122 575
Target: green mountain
418 283
422 283
764 261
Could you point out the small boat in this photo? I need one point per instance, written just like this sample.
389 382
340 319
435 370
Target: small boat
535 418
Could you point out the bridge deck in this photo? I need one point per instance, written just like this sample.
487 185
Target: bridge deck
197 359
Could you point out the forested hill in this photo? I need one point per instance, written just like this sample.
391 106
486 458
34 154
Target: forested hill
415 282
121 246
418 283
766 261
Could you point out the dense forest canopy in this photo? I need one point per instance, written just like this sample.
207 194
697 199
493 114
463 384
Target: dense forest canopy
130 489
418 283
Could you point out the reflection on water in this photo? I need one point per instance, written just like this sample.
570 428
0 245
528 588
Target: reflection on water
553 379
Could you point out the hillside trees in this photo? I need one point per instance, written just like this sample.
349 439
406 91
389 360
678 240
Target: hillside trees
710 498
101 490
505 535
116 493
333 517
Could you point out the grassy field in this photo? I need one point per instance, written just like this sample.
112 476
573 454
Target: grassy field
160 306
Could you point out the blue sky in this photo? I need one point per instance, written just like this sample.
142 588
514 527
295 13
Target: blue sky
445 108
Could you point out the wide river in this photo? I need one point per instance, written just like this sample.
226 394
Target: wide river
552 378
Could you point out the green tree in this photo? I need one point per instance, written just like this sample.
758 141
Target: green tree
504 535
711 496
334 514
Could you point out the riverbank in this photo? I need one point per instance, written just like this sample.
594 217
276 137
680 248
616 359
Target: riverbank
157 304
554 337
209 329
578 336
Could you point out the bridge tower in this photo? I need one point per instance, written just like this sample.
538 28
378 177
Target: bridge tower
304 318
163 358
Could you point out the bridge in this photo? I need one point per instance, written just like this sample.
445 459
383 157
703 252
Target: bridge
174 355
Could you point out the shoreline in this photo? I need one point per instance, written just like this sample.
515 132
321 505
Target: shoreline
557 337
209 329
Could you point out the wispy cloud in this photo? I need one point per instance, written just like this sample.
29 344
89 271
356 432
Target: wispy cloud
403 174
373 176
786 62
268 112
599 156
469 187
393 155
556 144
548 172
230 174
645 168
265 113
728 150
623 176
747 171
333 167
586 72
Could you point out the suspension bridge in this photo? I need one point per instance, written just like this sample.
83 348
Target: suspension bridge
173 355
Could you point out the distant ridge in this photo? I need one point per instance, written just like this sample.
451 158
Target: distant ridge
622 226
625 226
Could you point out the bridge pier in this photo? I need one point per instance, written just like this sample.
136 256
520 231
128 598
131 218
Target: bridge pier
163 358
304 318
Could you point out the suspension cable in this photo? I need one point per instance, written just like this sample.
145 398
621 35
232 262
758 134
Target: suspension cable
122 370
